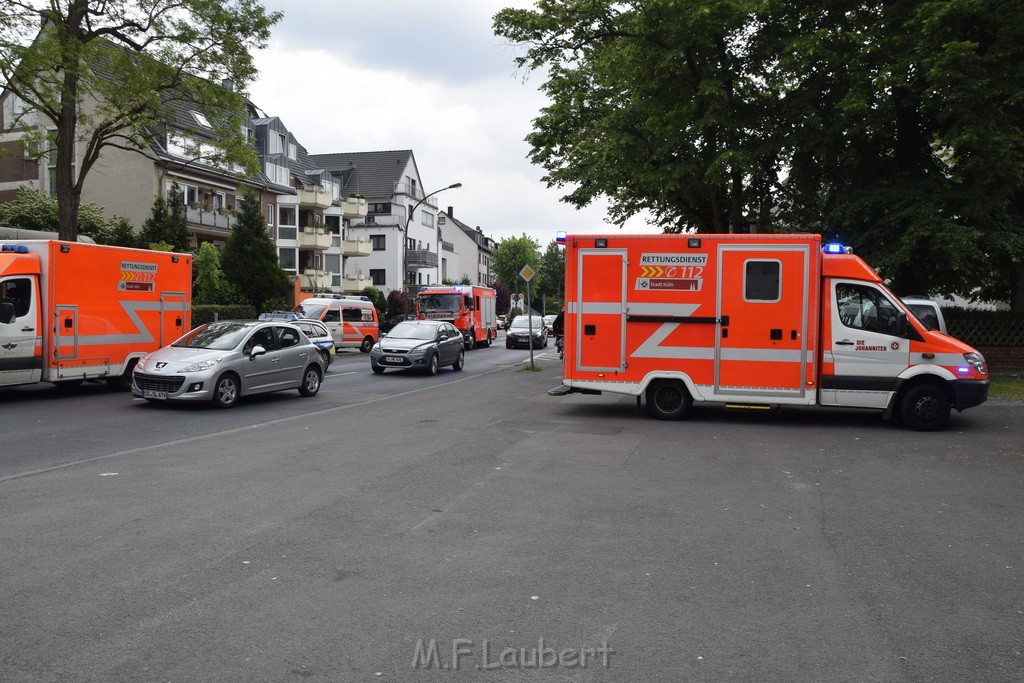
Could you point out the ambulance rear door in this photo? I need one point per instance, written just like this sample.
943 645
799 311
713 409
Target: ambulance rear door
601 310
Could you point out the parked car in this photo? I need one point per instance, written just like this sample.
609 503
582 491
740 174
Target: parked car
927 311
225 360
502 322
318 333
519 332
420 345
549 321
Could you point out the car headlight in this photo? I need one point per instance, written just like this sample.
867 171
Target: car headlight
202 366
976 361
418 351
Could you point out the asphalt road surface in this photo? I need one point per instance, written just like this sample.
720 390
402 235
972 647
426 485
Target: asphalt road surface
468 526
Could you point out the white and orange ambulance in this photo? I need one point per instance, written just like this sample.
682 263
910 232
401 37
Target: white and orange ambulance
72 311
753 321
351 318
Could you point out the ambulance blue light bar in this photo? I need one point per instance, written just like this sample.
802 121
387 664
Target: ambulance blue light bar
836 248
15 248
560 237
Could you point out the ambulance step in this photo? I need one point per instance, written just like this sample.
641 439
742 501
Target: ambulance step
564 390
752 407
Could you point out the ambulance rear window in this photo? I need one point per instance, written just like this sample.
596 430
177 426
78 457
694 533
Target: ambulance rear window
762 281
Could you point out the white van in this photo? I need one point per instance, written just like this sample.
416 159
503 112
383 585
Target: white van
351 319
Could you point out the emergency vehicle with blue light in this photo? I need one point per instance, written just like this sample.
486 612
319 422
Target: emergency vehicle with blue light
74 311
753 321
470 308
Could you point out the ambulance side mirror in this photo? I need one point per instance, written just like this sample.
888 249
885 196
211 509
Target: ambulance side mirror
6 312
902 325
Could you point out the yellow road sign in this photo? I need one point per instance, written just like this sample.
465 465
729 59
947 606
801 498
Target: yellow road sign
527 273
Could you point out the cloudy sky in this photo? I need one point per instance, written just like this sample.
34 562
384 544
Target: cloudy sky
425 75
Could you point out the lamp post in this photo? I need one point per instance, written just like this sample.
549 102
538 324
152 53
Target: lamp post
405 236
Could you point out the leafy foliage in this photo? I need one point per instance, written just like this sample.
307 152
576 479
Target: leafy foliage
34 210
379 302
167 223
210 285
249 259
509 257
398 303
112 73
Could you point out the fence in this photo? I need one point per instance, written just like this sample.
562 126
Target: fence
998 335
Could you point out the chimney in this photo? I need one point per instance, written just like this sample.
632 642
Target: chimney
450 214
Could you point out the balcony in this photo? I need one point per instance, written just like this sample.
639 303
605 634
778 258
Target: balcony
210 218
311 197
313 280
317 239
420 258
356 283
354 207
356 246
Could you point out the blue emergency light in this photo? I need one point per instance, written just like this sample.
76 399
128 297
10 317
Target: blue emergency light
835 248
560 237
16 248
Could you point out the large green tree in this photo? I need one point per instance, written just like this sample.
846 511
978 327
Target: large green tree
509 257
552 271
109 73
249 259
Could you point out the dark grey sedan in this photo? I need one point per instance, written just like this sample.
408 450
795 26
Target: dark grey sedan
420 345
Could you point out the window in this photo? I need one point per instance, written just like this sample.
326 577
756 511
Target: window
270 220
378 242
287 222
427 219
286 259
219 201
762 281
287 337
17 291
201 119
377 275
293 152
332 315
263 337
382 207
866 308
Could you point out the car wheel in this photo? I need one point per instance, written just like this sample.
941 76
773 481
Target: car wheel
545 343
310 381
470 340
432 365
325 356
488 338
668 400
460 361
226 391
366 345
377 369
508 345
123 382
925 407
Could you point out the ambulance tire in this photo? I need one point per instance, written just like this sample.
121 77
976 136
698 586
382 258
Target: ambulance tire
925 407
122 382
366 345
226 390
668 399
311 380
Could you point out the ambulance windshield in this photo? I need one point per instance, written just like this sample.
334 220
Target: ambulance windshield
438 303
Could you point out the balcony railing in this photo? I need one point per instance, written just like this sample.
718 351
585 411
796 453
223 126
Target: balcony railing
379 220
313 238
313 280
210 218
356 246
310 196
354 207
356 282
421 258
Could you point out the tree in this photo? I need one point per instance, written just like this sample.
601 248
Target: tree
110 74
379 302
34 210
249 259
121 233
509 257
552 271
398 303
210 285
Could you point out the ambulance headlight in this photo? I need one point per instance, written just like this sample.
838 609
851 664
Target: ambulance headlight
976 361
202 366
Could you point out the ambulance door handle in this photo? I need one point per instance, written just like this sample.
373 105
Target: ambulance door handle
28 329
844 342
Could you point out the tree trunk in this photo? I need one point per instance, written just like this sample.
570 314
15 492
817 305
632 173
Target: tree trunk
69 192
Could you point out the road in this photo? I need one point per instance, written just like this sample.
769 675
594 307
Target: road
396 527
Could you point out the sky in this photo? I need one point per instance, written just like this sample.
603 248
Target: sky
425 75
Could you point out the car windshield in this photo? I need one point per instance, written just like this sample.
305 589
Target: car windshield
523 322
314 311
439 303
410 330
222 336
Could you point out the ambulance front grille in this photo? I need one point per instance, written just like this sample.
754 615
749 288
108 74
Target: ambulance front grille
170 384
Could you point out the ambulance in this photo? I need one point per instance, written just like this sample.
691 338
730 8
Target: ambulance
471 309
351 318
753 321
74 311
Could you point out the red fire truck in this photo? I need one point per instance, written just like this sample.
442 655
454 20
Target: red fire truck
468 307
753 321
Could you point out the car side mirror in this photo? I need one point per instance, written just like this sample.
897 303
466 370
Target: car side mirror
256 351
902 325
6 312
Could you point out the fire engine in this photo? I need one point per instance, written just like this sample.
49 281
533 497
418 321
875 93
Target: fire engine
753 321
469 307
72 311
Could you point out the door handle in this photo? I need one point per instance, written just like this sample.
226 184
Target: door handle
28 329
276 359
844 342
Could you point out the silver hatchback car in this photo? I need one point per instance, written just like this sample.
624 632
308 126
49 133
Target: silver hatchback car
225 360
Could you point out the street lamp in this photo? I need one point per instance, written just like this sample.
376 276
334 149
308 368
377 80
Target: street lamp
405 236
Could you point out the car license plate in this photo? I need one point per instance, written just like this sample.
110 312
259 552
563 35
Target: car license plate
393 359
147 393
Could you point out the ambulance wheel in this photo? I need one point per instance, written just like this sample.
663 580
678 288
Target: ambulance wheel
366 345
325 356
925 407
226 391
432 365
310 381
122 382
668 400
460 361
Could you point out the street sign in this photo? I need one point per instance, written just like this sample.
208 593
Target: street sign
527 272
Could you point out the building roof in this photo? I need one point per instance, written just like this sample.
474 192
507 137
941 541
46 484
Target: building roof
373 174
474 234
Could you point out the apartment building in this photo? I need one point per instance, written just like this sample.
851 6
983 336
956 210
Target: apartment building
465 251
